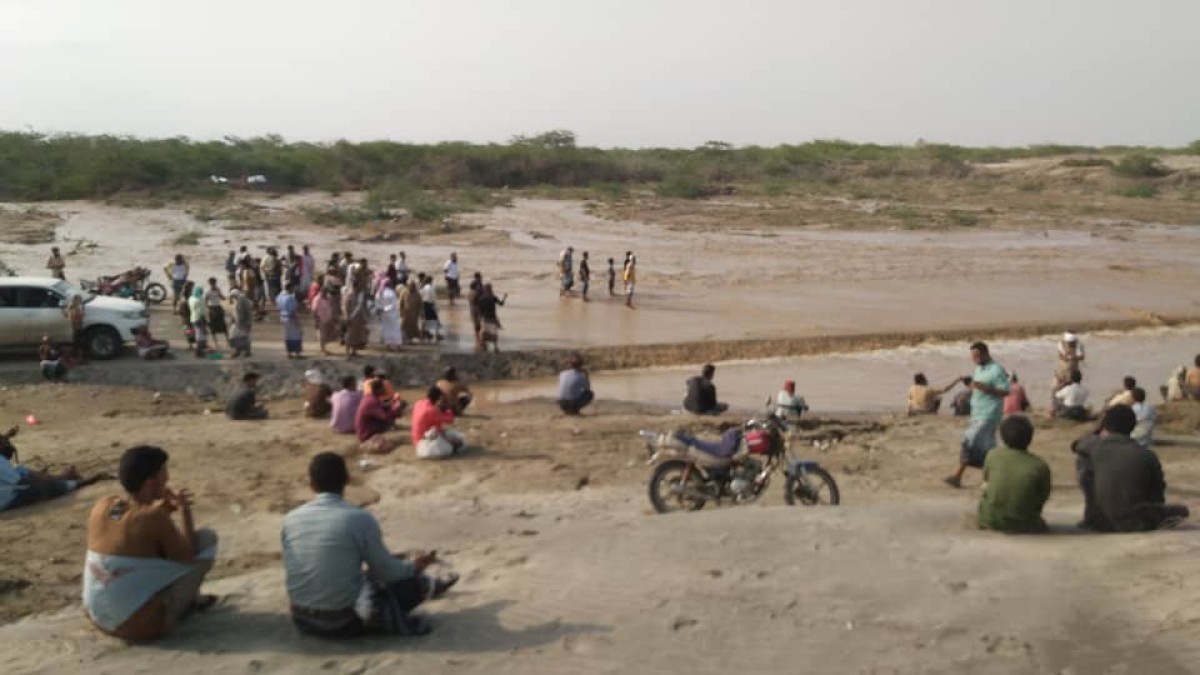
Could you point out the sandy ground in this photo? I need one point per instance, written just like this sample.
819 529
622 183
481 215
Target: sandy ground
565 567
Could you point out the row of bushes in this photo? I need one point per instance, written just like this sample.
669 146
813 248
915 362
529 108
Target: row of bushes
41 167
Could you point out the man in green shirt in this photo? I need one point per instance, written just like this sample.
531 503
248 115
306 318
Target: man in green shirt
1016 482
989 385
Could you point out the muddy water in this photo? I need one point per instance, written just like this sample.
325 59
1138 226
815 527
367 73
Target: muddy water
878 380
716 283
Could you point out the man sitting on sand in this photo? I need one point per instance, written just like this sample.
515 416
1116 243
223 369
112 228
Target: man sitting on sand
1016 402
344 404
1016 482
1070 402
788 405
1122 482
326 542
1191 381
22 486
431 436
1125 396
701 396
148 347
1143 433
457 393
244 404
142 574
316 395
923 399
574 387
374 419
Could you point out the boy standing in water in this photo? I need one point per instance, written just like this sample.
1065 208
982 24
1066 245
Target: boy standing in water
585 276
612 278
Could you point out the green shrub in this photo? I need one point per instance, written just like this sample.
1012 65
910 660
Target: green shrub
188 238
683 185
1086 162
1140 165
1139 191
963 218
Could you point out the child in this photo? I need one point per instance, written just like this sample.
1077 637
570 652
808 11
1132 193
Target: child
612 278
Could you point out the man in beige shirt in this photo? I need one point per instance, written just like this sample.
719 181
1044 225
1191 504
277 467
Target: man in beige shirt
56 264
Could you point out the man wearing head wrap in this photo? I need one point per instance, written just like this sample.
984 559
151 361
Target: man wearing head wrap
1070 355
787 404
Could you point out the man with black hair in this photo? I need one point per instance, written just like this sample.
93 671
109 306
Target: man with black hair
1125 396
244 404
1143 433
345 404
374 419
989 386
142 574
701 398
574 387
431 419
22 486
1122 482
326 542
1070 402
1016 482
455 390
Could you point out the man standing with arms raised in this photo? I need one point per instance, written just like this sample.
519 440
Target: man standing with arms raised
989 386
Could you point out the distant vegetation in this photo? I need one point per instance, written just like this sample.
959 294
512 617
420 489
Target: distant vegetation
47 167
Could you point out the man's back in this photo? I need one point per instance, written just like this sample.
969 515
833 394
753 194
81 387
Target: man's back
345 407
572 384
1127 476
1018 485
242 404
701 395
325 544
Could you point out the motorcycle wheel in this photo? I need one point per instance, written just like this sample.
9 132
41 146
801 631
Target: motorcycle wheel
664 486
155 293
815 488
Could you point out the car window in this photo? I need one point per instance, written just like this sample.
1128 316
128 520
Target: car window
31 297
8 297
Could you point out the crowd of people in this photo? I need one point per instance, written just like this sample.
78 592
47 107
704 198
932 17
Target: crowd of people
1116 467
568 274
345 297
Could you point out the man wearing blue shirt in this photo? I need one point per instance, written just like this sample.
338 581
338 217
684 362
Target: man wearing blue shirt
326 544
989 385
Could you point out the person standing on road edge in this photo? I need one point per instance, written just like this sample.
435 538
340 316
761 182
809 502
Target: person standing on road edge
989 386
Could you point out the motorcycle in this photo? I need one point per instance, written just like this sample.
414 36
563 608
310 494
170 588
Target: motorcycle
737 468
130 284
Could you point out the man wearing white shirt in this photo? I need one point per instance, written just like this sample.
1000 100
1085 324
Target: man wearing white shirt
451 272
1070 402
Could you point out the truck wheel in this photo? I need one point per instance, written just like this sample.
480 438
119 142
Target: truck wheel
103 342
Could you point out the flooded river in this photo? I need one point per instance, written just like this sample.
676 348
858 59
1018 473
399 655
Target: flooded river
877 381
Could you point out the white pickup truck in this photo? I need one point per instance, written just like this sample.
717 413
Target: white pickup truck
31 307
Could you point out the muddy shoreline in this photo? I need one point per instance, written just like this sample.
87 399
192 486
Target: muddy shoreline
417 369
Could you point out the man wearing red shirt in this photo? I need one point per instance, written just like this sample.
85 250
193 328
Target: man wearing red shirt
431 416
374 419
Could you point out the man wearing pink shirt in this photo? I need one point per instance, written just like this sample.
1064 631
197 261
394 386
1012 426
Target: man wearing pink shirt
431 417
345 406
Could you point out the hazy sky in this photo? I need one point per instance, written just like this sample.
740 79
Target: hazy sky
617 72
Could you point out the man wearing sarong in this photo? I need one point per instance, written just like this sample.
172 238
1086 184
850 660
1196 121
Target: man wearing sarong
989 385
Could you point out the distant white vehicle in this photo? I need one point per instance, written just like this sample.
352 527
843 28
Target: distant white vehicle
256 179
31 307
218 180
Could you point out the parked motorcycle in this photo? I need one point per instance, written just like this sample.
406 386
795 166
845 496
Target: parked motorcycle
737 468
131 284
